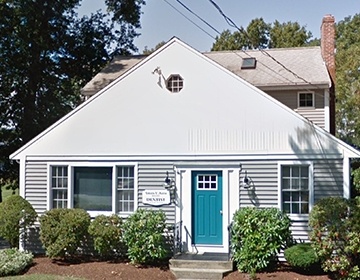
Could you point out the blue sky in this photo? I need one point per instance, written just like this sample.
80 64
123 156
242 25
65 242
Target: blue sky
160 21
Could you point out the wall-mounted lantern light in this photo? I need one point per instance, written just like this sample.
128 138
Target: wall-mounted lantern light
169 184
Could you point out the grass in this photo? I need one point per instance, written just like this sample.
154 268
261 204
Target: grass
41 277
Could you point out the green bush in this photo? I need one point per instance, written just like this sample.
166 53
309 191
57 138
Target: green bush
13 261
335 227
64 232
16 216
145 236
302 256
258 235
107 233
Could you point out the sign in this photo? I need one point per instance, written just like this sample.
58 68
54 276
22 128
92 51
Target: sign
156 197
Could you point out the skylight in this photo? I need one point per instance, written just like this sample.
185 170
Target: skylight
248 63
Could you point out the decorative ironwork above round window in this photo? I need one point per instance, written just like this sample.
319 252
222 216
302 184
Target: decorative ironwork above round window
174 83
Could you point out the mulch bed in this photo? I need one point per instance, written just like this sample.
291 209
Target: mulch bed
93 269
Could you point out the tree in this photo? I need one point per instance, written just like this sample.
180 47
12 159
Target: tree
288 35
147 51
348 79
47 53
261 35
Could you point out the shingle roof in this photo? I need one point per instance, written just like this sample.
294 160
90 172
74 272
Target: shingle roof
275 68
109 73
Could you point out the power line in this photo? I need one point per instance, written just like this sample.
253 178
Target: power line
190 20
204 21
219 33
242 30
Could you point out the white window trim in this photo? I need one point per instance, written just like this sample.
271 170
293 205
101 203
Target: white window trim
305 107
70 197
311 187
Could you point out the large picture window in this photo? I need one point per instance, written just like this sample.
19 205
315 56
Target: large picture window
296 188
96 189
92 188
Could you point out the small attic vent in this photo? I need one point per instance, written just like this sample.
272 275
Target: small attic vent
174 83
248 63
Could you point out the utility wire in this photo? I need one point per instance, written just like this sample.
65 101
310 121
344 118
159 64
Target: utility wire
203 30
219 33
204 21
242 30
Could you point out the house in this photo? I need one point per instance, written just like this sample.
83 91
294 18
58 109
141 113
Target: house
179 131
294 76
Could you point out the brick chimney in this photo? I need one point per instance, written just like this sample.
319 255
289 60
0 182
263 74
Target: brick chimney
328 43
328 54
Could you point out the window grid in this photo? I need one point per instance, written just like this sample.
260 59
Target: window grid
125 188
295 189
306 99
59 186
175 83
207 182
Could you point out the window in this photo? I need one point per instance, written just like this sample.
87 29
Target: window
92 188
248 63
97 189
296 188
306 99
174 83
207 182
125 189
59 186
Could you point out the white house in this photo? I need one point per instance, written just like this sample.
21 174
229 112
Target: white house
219 142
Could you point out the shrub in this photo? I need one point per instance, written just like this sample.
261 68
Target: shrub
63 232
335 226
145 236
13 261
302 256
16 216
257 237
107 233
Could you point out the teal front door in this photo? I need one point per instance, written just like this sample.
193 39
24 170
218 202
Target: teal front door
207 207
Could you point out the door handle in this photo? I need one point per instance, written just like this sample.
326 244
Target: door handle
221 212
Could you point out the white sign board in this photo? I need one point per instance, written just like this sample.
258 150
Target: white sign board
156 197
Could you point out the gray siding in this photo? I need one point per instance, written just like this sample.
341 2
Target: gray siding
328 178
328 181
290 99
36 184
151 175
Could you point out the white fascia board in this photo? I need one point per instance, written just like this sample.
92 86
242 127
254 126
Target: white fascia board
212 157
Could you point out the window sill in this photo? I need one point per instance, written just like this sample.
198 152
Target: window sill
299 217
306 108
94 214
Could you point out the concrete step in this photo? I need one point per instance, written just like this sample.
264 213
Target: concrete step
198 273
203 264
